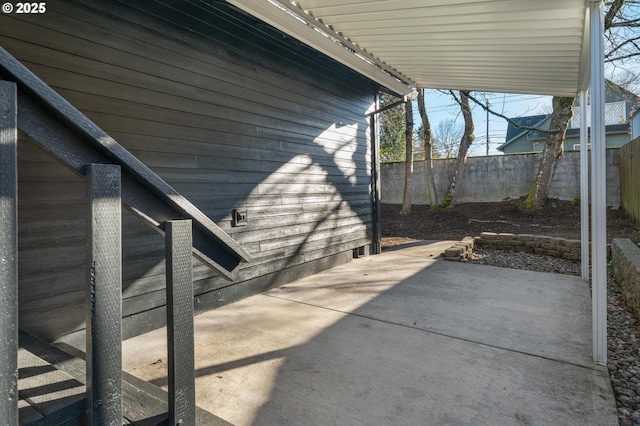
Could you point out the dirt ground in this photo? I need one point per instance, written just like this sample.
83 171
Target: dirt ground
557 218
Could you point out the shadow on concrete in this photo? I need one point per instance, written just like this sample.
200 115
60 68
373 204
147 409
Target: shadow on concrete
400 338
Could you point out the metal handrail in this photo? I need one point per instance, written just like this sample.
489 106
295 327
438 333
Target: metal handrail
68 135
76 141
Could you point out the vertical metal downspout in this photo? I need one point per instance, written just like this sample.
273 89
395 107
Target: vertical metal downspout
8 253
598 187
375 181
584 187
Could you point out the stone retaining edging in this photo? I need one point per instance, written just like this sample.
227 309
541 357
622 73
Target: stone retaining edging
460 251
563 248
625 257
539 244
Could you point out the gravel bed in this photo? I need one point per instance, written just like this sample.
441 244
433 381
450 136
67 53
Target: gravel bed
520 260
623 331
623 335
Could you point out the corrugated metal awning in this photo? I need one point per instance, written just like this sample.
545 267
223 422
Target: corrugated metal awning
515 46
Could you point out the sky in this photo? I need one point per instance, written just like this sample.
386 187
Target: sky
441 107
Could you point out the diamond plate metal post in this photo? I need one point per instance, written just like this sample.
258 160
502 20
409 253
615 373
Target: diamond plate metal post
104 296
180 341
8 253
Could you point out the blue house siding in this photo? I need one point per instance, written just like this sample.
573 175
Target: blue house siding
230 112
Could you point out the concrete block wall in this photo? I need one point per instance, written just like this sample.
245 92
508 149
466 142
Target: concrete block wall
625 256
496 178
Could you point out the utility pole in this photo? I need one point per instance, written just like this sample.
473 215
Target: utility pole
487 127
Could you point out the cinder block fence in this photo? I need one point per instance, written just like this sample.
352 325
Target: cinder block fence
495 178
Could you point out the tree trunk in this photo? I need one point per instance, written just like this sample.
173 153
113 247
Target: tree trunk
465 143
427 138
554 144
552 152
408 165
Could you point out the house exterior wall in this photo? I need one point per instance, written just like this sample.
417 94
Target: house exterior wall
525 145
227 113
614 140
635 126
522 144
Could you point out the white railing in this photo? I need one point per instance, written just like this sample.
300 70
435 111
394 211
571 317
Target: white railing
614 113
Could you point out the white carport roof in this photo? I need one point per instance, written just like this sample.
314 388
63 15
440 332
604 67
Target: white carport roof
520 46
514 46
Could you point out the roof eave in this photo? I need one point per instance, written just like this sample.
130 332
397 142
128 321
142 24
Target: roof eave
584 77
297 26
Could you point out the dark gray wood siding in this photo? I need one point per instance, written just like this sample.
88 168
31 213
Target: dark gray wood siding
230 112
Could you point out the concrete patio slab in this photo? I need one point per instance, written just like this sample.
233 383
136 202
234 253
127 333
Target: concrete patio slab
400 338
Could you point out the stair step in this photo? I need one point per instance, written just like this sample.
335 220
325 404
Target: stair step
47 395
52 391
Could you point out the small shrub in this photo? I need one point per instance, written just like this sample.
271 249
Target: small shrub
576 200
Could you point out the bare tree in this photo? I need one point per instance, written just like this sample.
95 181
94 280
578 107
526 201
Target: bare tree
622 56
621 16
465 143
446 138
553 150
408 165
563 111
427 141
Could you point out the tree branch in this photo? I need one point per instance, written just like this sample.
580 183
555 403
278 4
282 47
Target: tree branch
455 97
626 24
621 45
509 120
618 58
614 9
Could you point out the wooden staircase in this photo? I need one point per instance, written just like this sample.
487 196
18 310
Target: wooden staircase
42 384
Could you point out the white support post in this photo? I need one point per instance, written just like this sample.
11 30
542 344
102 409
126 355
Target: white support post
598 187
584 187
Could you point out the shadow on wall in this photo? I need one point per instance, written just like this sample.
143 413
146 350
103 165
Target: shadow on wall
318 204
229 113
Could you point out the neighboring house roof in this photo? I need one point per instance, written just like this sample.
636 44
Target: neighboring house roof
529 121
514 132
